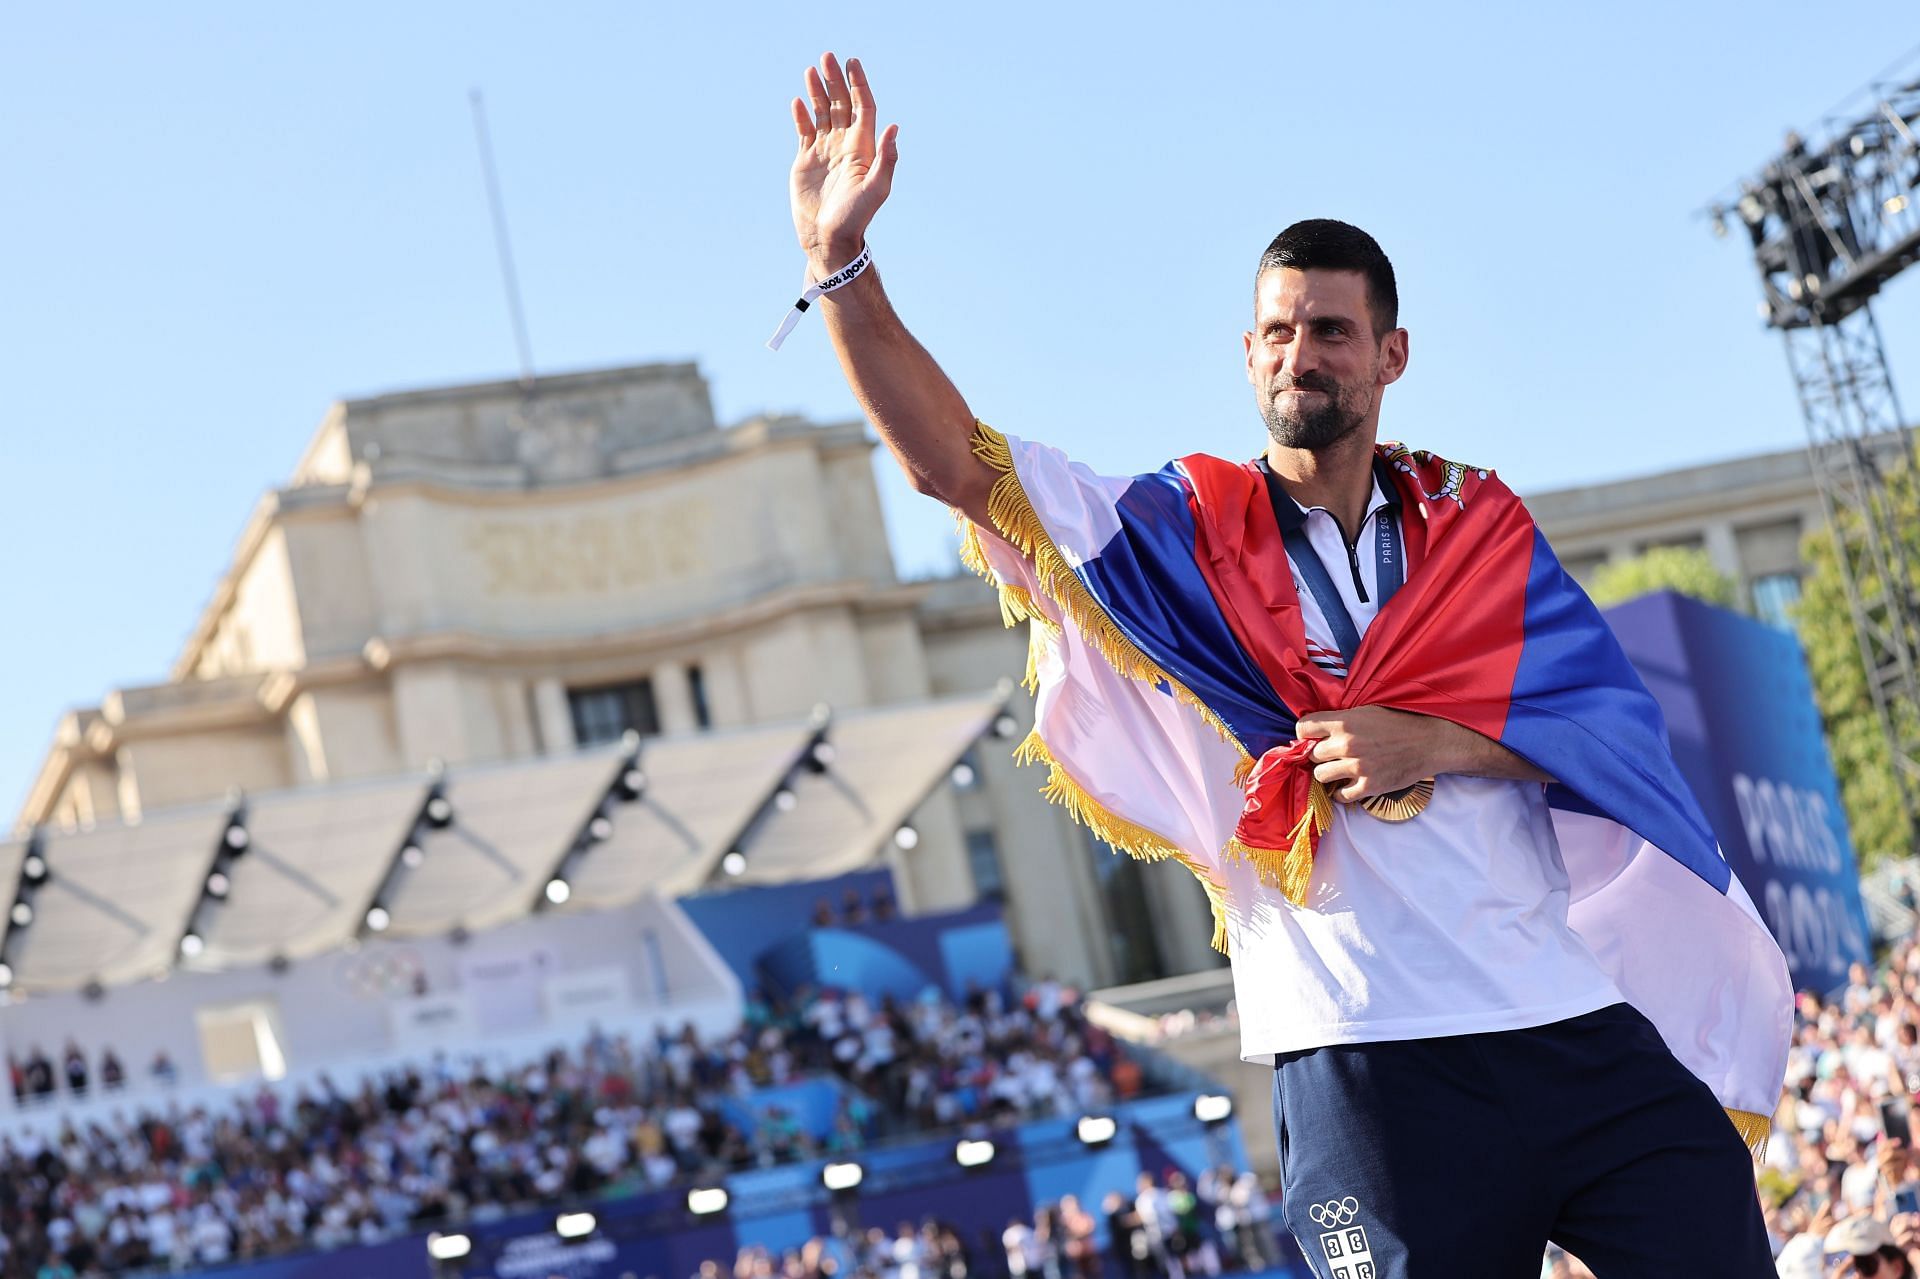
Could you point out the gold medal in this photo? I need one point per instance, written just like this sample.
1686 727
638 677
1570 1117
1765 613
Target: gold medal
1400 805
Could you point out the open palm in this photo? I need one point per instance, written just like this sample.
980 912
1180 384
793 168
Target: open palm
842 173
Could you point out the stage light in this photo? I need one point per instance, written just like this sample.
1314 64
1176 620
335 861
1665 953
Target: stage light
448 1247
973 1154
192 944
963 775
633 784
1095 1130
34 869
822 753
558 890
906 838
378 919
842 1176
439 812
22 914
785 800
734 863
237 838
1005 725
218 885
574 1225
1212 1108
706 1200
412 855
6 976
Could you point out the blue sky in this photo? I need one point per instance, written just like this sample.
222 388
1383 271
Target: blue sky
221 217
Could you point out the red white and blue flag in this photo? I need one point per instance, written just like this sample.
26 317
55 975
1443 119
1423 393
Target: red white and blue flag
1169 663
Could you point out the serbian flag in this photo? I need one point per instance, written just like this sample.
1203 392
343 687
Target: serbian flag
1168 662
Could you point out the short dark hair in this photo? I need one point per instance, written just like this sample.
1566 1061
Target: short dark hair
1323 244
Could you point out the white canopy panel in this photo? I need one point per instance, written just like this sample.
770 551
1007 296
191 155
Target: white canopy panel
116 901
511 824
312 865
885 763
701 791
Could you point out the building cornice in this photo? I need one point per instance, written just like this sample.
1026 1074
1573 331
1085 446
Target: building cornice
670 462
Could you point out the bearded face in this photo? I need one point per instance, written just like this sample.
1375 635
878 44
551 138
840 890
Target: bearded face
1315 410
1316 364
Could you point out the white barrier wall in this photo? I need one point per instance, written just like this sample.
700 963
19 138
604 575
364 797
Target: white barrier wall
507 995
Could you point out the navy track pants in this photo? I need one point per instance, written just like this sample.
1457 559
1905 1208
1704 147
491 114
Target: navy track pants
1460 1157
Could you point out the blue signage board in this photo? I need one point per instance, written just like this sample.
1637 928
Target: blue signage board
1746 733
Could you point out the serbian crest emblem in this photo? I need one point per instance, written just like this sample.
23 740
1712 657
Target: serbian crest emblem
1349 1256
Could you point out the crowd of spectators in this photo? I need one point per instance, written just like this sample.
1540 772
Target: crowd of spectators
322 1164
1165 1229
1840 1170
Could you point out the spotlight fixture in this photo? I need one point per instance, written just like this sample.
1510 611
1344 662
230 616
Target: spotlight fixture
22 914
734 863
973 1154
575 1225
822 754
218 886
704 1201
906 838
439 812
785 800
6 976
600 830
1005 725
34 869
1212 1108
236 839
412 855
633 784
842 1176
192 944
378 919
448 1247
1095 1130
963 775
558 890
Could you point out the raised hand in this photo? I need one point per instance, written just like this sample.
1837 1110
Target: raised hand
842 174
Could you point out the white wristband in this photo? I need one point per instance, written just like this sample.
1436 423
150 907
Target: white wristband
814 292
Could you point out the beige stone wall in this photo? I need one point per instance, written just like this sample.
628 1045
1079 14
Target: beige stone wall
260 630
194 767
328 558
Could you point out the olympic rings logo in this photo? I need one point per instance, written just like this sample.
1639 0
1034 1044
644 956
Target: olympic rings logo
1335 1212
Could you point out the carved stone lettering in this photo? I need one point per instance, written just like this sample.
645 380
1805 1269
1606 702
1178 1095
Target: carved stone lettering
593 554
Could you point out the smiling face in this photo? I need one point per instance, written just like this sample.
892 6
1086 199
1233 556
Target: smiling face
1316 365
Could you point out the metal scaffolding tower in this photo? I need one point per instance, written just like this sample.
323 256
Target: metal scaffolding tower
1831 220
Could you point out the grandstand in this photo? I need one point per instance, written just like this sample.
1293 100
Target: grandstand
624 1010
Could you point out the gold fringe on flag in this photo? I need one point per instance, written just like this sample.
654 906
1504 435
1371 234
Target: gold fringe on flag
1754 1130
1015 519
1290 869
1129 837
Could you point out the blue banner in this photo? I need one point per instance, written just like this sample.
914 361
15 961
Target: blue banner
1746 733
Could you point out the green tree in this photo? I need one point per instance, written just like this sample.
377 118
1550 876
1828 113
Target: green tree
1664 568
1861 757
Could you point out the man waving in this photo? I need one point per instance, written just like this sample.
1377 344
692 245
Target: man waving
1334 682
